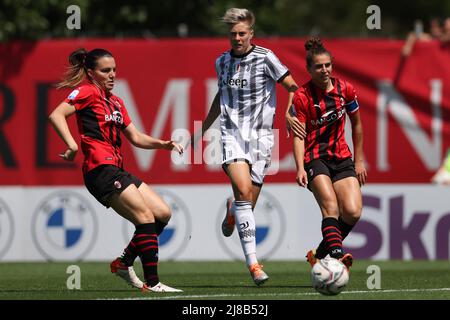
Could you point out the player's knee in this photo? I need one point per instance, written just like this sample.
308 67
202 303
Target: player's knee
245 194
330 209
353 213
164 213
145 215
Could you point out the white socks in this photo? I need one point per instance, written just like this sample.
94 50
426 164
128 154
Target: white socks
245 224
233 208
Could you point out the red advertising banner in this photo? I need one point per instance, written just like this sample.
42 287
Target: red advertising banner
167 86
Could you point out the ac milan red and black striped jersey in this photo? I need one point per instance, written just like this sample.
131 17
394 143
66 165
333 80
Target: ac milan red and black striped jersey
324 116
100 118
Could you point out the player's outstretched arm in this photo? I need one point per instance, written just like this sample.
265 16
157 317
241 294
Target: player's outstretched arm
144 141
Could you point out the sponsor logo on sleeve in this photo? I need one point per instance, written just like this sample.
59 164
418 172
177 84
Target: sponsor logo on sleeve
73 94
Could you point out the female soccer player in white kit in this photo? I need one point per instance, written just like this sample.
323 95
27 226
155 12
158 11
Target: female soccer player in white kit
247 76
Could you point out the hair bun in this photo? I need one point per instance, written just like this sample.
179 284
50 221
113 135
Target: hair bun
313 44
78 57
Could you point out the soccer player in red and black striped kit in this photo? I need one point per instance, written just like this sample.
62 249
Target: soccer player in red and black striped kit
101 117
323 159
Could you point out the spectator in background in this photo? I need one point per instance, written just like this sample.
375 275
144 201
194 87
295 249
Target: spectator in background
445 37
436 32
442 176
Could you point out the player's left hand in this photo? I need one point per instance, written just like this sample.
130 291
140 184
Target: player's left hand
172 145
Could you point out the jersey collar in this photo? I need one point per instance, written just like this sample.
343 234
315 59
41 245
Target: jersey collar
242 55
333 81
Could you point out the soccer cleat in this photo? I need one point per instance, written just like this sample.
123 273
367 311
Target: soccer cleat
258 275
126 273
159 288
311 257
347 260
228 222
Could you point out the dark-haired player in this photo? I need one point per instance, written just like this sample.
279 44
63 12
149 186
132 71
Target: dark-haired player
323 159
101 118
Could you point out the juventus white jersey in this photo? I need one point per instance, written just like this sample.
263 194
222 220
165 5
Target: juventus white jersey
247 91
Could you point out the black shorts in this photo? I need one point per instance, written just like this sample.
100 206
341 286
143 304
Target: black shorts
105 180
335 169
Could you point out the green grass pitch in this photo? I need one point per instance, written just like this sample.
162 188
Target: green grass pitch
414 280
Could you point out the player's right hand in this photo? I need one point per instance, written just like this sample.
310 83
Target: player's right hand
302 178
293 124
69 154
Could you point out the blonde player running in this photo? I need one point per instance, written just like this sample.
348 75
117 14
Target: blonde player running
246 102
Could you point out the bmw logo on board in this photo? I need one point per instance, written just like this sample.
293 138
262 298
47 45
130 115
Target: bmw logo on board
64 226
6 228
175 237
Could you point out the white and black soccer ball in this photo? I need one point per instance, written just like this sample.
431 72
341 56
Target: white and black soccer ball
329 276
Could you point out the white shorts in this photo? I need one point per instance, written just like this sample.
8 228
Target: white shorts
256 152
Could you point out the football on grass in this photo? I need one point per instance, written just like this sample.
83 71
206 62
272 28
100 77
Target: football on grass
329 276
